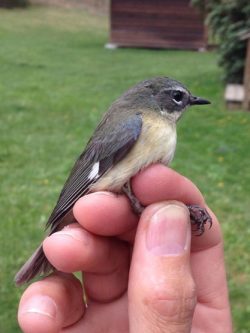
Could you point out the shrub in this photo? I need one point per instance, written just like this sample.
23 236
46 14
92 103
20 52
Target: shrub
228 19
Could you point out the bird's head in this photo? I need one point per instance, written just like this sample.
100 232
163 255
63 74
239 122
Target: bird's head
164 95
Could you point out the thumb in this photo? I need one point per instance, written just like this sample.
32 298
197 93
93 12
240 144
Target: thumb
161 289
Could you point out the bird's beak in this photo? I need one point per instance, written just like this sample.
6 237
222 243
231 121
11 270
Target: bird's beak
194 100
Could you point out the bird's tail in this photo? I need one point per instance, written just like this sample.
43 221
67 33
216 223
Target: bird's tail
35 265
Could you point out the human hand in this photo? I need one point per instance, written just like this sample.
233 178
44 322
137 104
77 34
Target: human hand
146 277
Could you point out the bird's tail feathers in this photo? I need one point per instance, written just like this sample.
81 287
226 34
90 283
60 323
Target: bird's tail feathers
35 265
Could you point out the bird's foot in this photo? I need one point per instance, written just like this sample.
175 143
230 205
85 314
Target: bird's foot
137 207
199 217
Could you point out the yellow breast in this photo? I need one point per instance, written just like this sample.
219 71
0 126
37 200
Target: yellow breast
156 143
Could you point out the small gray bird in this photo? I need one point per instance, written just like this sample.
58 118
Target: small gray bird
138 129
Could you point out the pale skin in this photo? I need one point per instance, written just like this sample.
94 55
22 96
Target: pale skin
154 276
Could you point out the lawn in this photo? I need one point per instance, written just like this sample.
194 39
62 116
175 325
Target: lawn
56 78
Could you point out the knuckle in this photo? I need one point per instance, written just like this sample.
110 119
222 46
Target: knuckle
173 301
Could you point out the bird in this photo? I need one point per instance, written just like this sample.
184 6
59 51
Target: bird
139 129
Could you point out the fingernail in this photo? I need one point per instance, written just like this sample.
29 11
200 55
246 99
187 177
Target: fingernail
169 231
42 305
110 194
78 234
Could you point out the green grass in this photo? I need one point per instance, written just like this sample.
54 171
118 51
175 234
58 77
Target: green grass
56 78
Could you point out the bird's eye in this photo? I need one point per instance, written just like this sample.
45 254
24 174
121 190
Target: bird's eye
177 96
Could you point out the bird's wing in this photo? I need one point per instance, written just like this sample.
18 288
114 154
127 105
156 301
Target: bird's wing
104 150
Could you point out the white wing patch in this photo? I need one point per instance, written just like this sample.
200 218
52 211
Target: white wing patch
94 171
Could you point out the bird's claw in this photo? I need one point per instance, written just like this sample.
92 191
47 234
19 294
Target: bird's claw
199 217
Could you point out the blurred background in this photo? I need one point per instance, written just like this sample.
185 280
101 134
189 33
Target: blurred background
62 63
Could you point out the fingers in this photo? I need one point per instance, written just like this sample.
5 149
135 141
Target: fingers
163 183
105 213
161 290
105 261
75 249
156 183
114 215
48 305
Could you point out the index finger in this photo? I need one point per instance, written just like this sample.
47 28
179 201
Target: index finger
158 183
